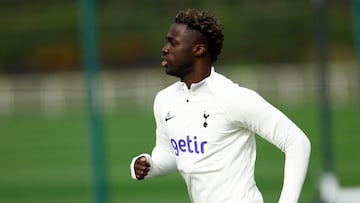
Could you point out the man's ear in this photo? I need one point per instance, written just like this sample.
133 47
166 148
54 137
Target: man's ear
199 49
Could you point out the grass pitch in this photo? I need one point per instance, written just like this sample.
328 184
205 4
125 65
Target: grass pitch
47 160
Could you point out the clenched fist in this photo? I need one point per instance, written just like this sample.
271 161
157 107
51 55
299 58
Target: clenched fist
141 167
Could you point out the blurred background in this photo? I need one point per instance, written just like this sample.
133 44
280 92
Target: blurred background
270 46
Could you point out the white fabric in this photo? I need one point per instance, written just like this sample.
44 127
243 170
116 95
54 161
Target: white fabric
207 133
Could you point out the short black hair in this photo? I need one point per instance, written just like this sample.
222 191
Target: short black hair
207 24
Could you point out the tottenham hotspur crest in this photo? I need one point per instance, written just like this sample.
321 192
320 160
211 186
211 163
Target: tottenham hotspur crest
206 115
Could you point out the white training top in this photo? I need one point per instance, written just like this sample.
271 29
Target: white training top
207 133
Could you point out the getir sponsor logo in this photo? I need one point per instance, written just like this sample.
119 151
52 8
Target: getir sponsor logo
188 145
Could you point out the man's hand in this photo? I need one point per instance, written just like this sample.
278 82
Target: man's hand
141 167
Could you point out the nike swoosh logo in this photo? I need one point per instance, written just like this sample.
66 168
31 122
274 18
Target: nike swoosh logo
168 118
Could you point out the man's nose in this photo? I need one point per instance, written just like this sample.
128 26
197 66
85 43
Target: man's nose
165 50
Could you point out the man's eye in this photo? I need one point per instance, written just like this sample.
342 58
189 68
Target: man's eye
173 43
170 41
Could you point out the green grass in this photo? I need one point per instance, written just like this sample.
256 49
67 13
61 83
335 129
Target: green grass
46 160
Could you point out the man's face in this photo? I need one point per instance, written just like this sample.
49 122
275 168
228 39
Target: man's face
177 53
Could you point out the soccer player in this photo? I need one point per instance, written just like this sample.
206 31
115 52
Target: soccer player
206 124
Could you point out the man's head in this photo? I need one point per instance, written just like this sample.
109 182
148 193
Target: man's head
194 41
208 25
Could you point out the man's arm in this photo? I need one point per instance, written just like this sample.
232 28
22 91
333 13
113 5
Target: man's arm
268 122
297 153
279 130
159 163
162 159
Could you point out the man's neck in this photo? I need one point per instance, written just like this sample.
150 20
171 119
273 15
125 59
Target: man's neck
196 76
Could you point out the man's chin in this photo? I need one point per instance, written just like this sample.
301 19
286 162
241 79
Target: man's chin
171 72
168 71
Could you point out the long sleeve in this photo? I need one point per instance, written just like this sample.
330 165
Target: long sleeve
162 160
161 163
297 154
268 122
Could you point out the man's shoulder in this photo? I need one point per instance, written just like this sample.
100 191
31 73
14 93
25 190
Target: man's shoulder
227 87
167 91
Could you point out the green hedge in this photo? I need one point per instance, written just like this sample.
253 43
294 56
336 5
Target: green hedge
44 36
